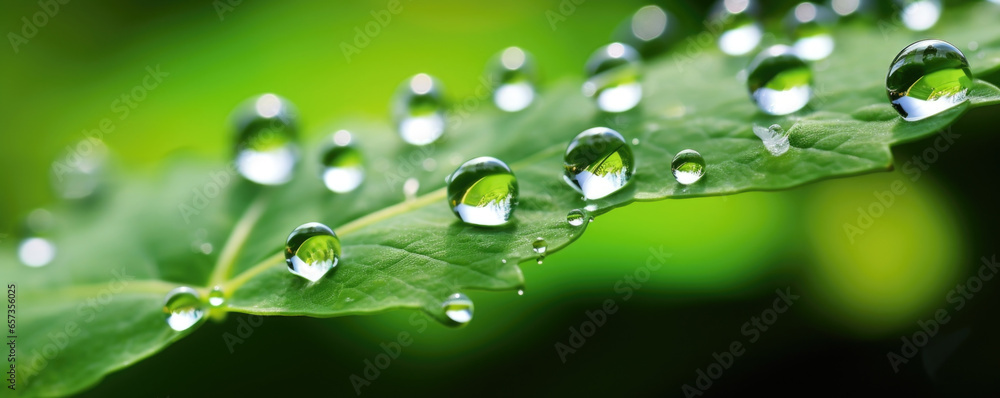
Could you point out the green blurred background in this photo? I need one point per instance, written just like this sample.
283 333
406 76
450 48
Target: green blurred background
728 254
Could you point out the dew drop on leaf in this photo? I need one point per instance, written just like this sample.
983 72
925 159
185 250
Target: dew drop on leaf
418 109
576 217
775 138
458 308
266 129
613 78
215 297
343 164
926 78
312 250
811 26
514 75
183 308
598 162
688 167
741 32
919 15
539 245
483 191
779 81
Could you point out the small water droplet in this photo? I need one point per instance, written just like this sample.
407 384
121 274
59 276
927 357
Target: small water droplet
418 109
688 167
36 252
613 78
635 141
483 191
312 250
775 138
590 207
919 15
598 162
514 75
82 171
576 217
343 164
650 30
850 7
811 26
520 292
266 129
183 308
458 307
429 164
926 78
973 45
779 81
539 245
206 248
410 188
503 261
741 32
540 260
215 297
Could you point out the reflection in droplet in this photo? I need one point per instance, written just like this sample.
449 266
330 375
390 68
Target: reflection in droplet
418 109
741 33
266 128
343 166
458 308
483 191
613 78
514 76
312 250
779 81
811 26
598 162
183 308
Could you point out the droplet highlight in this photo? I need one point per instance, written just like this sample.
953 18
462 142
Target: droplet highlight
919 15
598 162
779 81
539 245
811 26
741 32
215 297
926 78
576 217
483 191
36 252
458 308
312 250
514 75
774 137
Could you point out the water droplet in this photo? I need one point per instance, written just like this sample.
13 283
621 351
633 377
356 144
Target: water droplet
927 78
215 297
410 188
429 164
650 30
206 248
590 207
418 109
598 162
576 217
539 245
779 81
635 141
514 75
850 7
458 307
312 250
520 292
183 308
266 128
503 261
919 15
343 164
811 27
688 167
613 78
483 191
81 172
775 138
540 260
741 32
36 252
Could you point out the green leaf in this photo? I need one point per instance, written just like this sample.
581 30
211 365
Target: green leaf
402 252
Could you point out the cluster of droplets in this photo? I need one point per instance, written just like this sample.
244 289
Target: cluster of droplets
926 78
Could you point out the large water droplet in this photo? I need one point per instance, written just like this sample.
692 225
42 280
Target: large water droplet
312 250
741 32
688 167
483 191
598 162
576 217
418 109
613 78
514 75
775 138
458 307
343 166
539 245
266 129
81 172
811 27
779 81
919 15
36 252
927 78
216 297
183 308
